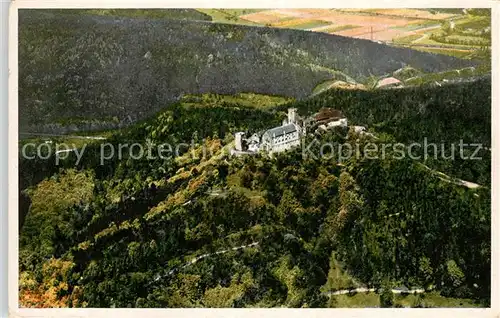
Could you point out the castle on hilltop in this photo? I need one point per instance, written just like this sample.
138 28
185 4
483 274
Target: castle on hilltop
286 136
289 134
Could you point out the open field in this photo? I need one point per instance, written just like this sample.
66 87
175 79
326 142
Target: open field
334 29
406 13
265 17
242 99
311 24
292 23
420 26
378 25
408 27
426 40
340 279
428 300
460 53
408 39
228 15
370 33
468 39
332 16
474 22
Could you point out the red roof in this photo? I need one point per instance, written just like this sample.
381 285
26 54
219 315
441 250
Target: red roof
388 81
328 113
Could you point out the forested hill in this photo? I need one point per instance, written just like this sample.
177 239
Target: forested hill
107 68
441 115
120 234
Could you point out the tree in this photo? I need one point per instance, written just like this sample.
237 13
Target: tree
454 274
246 177
53 290
425 269
351 201
446 27
289 208
386 295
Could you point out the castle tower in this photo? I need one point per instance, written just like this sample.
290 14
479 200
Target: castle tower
292 115
238 141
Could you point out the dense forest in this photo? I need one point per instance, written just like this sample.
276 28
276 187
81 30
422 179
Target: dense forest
442 115
85 71
214 230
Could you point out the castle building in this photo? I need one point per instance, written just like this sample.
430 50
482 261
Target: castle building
282 138
239 141
328 118
289 134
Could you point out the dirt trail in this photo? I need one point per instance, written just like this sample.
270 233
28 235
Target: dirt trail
447 178
59 135
199 258
373 290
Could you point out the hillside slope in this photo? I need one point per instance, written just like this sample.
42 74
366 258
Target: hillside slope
292 228
107 71
123 237
439 114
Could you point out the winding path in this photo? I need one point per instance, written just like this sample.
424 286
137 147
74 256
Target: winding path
59 135
328 294
373 290
199 258
447 178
